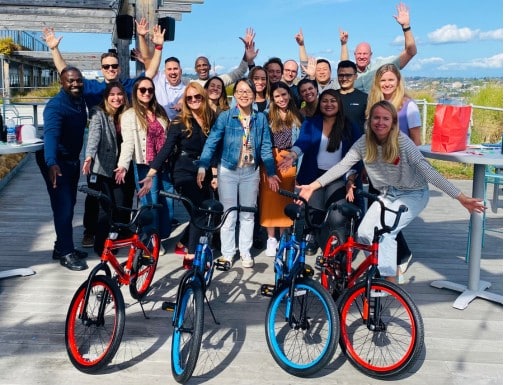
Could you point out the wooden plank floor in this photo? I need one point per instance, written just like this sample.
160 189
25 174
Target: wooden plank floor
461 346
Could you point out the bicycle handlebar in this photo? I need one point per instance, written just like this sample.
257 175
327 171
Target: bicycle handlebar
377 198
194 208
101 196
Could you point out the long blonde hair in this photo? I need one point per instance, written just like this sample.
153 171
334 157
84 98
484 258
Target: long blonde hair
205 112
390 147
397 99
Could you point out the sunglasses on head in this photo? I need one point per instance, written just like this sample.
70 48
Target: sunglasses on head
108 66
194 97
143 90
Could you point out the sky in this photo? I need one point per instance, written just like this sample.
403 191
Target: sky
455 38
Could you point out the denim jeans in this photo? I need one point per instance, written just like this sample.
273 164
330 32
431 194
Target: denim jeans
415 200
62 200
238 186
162 219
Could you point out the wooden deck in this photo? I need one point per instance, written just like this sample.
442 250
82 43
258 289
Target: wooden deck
461 346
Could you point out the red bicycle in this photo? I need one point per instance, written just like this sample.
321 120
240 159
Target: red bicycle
381 328
96 315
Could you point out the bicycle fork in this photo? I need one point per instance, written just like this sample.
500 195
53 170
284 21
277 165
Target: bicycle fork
372 306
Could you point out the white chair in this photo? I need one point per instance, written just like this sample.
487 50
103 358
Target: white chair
11 112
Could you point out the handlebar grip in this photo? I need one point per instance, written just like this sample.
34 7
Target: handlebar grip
249 209
366 194
92 192
292 195
168 194
403 208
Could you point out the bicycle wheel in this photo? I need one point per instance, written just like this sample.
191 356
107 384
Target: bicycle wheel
306 343
332 275
145 266
188 325
92 340
390 339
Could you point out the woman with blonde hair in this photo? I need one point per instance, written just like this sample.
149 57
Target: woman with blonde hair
389 85
187 134
401 175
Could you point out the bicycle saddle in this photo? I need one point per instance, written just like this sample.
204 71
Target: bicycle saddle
294 211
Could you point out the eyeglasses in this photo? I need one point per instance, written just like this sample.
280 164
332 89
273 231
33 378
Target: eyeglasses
244 93
345 76
108 66
194 97
143 90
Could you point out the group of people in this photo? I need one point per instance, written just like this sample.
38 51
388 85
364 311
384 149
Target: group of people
319 135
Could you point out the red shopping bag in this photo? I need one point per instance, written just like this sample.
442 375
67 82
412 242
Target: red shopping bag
451 124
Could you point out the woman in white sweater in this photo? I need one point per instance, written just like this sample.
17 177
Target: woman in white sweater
144 130
398 171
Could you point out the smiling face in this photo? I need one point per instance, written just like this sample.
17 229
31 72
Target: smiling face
110 68
259 78
308 92
329 106
388 84
72 82
193 99
243 95
173 72
281 98
274 72
145 92
214 90
290 71
115 98
381 122
202 68
363 55
323 73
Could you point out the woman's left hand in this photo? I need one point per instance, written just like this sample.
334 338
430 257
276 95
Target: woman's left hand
472 204
350 187
273 183
146 183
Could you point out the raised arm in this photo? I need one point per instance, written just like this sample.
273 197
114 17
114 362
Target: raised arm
344 45
158 40
142 35
53 44
303 55
247 59
404 20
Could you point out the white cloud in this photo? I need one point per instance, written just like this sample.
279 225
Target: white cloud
493 62
450 33
419 64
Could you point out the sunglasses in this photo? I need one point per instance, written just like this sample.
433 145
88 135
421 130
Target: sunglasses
194 97
108 66
143 90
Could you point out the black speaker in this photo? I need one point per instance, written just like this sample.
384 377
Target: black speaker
124 26
169 24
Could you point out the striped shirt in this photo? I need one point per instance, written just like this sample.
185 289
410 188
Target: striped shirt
410 171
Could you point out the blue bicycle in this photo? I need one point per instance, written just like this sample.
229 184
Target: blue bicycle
302 326
188 310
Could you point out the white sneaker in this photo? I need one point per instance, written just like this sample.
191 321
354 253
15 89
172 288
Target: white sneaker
402 268
247 261
271 247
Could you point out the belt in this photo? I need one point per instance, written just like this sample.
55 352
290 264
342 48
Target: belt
189 155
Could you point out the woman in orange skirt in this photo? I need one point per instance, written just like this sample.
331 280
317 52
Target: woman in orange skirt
285 120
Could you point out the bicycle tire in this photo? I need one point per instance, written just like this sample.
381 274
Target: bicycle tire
381 353
91 343
187 332
333 275
144 267
309 346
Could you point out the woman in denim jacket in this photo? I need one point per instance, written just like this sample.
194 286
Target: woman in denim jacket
240 139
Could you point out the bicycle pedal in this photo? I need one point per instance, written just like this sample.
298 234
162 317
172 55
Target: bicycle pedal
308 271
168 306
223 266
267 290
147 260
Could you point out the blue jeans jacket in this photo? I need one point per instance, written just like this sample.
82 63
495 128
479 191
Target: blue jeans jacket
226 136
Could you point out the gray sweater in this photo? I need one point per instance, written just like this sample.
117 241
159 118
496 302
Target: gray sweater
410 172
102 143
